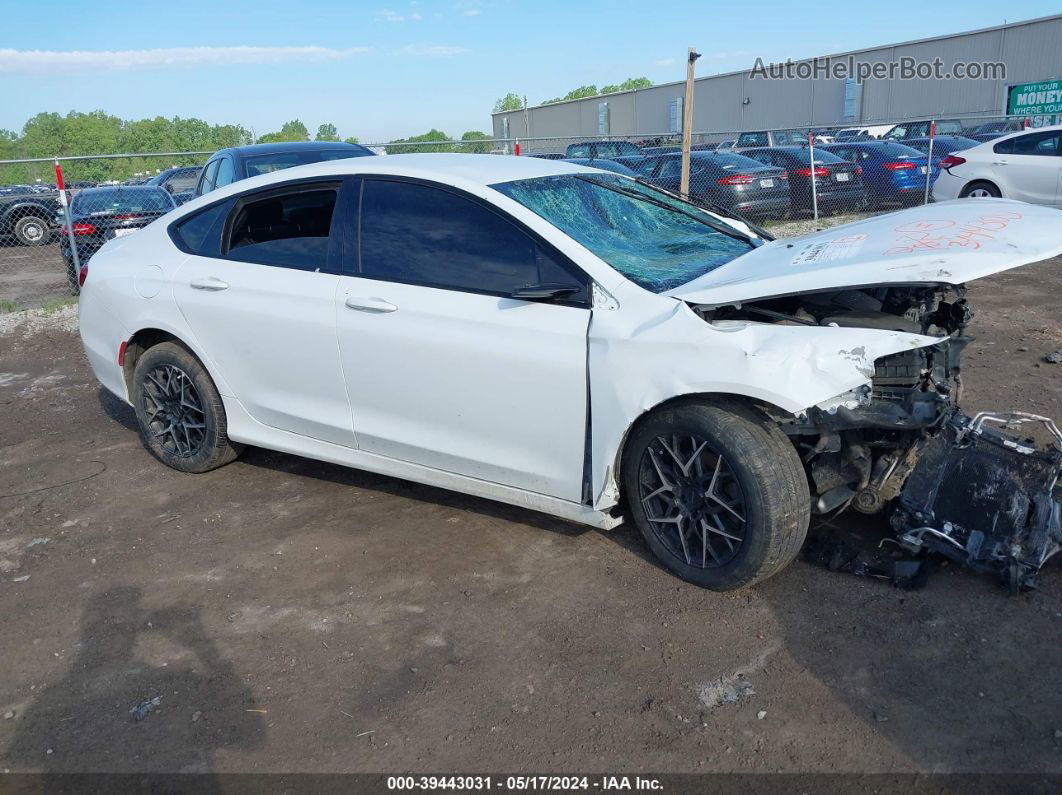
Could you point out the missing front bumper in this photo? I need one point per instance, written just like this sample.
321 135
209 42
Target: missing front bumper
984 498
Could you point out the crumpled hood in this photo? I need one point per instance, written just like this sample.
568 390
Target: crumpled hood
947 243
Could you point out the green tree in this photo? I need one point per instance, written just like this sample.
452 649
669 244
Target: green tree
632 83
431 141
510 101
582 91
293 130
327 132
475 142
351 140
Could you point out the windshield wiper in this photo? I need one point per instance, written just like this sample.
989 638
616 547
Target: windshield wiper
722 228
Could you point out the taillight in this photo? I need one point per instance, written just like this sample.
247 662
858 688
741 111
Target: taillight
121 353
819 172
82 275
81 228
898 165
952 160
859 171
736 179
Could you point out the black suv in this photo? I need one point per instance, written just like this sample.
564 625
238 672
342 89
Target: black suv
240 162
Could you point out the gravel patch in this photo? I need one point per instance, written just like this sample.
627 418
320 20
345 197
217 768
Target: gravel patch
33 321
806 226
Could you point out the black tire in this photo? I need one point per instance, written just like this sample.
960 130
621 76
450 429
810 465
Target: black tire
31 230
167 410
756 463
975 189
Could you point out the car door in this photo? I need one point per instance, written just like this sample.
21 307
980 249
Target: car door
443 368
259 296
1028 167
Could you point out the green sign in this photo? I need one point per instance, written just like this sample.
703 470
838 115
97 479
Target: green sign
1035 99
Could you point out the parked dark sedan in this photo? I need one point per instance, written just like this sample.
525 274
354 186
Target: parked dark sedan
231 165
604 165
621 151
894 173
101 214
838 184
723 179
180 181
943 145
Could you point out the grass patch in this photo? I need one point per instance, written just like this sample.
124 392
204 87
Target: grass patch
6 307
56 306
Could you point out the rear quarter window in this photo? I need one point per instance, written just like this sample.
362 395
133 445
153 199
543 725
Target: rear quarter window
200 233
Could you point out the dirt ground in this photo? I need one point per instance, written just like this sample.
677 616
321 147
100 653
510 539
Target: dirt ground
295 616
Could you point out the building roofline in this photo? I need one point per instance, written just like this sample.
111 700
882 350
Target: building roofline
845 54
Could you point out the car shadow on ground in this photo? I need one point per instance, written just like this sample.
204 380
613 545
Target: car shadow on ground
127 657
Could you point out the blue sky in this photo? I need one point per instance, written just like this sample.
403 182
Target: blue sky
394 68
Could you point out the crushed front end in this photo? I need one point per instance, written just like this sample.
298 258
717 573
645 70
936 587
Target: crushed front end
960 486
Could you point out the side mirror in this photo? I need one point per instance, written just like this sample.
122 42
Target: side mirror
547 291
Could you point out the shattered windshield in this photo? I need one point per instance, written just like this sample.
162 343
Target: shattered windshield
651 238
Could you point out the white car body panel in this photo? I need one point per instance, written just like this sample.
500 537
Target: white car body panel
510 409
1036 179
487 395
950 243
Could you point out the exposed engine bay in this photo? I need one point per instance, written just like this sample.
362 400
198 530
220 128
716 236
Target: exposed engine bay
960 486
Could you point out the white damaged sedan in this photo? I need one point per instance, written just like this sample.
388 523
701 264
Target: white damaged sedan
572 341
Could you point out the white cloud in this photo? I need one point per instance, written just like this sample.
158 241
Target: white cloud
387 15
471 12
415 17
82 61
434 50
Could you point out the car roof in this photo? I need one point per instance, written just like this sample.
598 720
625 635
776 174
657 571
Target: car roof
460 170
289 146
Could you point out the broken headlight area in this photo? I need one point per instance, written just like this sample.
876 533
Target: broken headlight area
899 446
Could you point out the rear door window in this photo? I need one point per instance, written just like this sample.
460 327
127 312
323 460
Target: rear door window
289 228
418 234
200 233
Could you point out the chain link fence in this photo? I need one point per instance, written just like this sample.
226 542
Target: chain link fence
792 181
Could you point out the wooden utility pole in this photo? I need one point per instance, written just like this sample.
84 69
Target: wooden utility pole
687 124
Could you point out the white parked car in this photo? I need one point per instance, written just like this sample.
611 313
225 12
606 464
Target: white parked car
1025 165
551 336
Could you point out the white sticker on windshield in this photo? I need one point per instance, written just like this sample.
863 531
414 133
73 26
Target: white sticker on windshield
826 250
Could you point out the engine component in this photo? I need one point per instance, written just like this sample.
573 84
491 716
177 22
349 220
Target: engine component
984 498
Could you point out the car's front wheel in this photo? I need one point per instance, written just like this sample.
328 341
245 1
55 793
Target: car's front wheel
179 411
717 491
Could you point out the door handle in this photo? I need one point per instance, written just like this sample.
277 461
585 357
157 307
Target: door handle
999 162
375 305
209 283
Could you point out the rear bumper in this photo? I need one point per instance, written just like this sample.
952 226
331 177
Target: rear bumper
102 336
772 204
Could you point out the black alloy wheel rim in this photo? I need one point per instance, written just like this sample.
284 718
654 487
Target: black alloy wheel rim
692 500
174 411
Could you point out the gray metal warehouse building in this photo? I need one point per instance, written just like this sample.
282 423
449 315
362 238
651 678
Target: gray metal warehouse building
737 101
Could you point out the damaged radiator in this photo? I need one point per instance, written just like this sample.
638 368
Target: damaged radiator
984 498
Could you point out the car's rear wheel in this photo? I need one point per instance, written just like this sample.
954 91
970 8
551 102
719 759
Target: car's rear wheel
980 190
180 413
31 230
717 491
